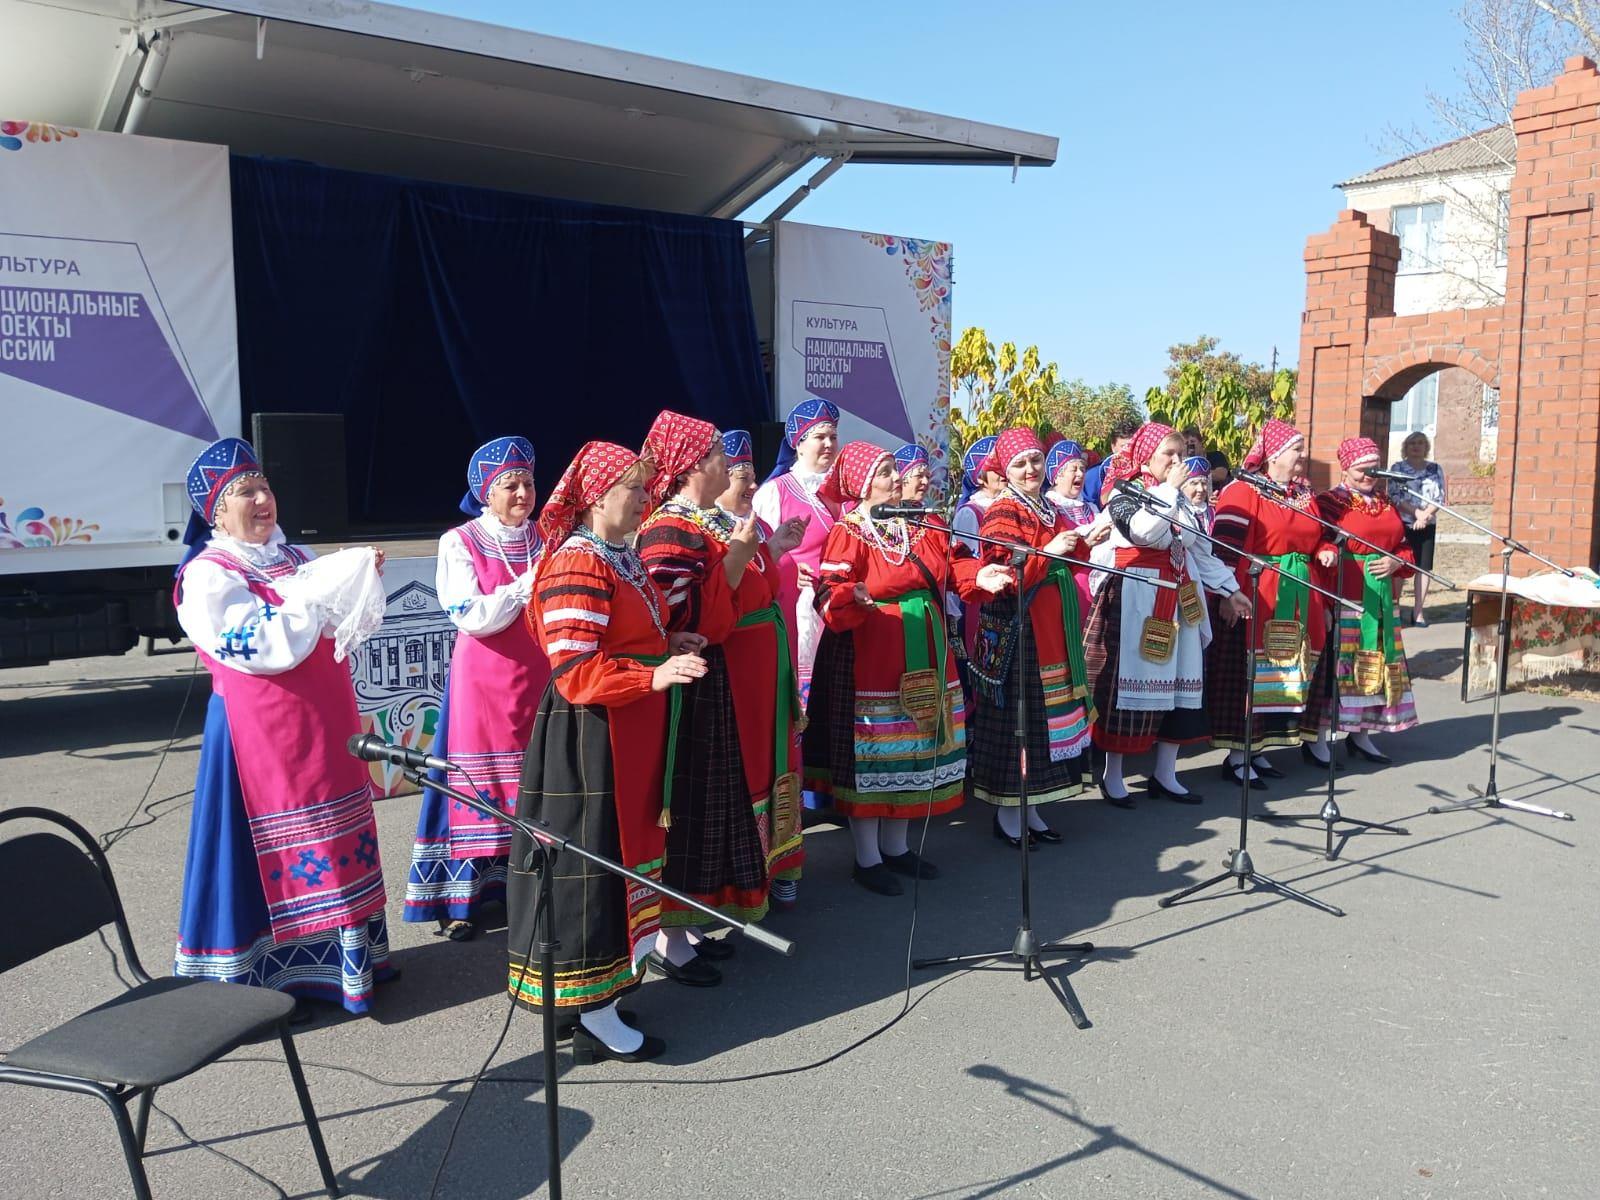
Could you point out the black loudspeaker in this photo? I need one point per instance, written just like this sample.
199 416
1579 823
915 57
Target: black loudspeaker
767 436
303 457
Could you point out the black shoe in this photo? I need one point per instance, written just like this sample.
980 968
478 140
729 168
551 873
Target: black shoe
1366 754
715 949
586 1049
912 864
877 878
694 973
1118 801
1014 842
1157 790
1313 761
458 931
1267 771
1046 835
1234 775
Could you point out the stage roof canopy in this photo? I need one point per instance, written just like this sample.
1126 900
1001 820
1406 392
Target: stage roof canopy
374 87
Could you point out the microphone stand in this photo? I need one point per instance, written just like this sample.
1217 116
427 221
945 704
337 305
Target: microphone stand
1329 813
1026 946
548 843
1489 795
1240 868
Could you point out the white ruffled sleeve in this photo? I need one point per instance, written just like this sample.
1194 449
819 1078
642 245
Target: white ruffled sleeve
1204 565
1154 529
767 504
225 619
469 609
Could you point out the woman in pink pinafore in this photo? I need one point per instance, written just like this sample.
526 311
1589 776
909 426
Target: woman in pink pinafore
811 436
282 884
497 677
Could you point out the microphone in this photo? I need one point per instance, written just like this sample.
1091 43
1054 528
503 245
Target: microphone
1261 483
1136 491
888 512
1397 476
372 748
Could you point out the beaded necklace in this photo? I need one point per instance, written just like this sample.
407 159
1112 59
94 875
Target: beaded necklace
809 494
528 534
1372 504
1043 510
895 554
715 522
625 562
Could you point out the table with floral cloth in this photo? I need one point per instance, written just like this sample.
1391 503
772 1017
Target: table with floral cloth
1554 630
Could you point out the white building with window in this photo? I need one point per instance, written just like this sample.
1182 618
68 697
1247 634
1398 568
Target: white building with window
1448 206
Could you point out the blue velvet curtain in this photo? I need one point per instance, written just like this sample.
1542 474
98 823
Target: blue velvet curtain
436 317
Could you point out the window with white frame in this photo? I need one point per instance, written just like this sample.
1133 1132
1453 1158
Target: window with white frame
1419 228
1418 409
1502 230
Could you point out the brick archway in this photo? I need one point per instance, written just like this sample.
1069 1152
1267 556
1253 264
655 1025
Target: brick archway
1541 348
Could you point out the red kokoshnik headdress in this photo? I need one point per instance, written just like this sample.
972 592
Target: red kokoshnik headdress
851 472
674 446
1275 437
596 470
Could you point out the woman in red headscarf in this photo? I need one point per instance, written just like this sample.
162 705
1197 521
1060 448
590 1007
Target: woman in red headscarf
1145 646
594 766
1289 627
1050 664
886 739
1374 684
706 564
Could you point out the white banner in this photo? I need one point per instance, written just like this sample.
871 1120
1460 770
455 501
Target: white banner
864 321
118 358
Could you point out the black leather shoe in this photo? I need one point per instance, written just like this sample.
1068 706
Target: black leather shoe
1313 761
911 864
1014 842
1267 771
564 1027
715 949
1046 835
694 973
1366 754
1118 801
1159 790
1233 775
586 1049
877 878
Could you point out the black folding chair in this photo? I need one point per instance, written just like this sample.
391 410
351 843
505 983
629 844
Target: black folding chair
158 1031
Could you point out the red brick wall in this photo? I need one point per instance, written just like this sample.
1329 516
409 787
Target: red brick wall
1541 348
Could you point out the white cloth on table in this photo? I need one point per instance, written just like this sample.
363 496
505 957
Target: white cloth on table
469 608
222 617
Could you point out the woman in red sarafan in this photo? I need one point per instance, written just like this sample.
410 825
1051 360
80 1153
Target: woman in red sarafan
718 834
1374 684
594 767
886 739
1050 662
761 671
1290 624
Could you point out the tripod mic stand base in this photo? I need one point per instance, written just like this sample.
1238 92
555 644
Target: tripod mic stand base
1491 799
1241 870
1330 816
1030 952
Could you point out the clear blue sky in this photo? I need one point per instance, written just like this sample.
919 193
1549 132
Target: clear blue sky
1199 144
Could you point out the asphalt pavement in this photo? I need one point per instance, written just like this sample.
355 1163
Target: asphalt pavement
1435 1041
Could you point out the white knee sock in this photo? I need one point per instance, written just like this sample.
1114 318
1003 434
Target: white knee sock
1260 760
1111 774
1166 772
1364 740
1236 759
865 832
1035 818
607 1025
1010 818
893 837
1319 748
673 945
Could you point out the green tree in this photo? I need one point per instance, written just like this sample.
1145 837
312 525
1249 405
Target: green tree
1087 413
1223 409
995 389
1215 365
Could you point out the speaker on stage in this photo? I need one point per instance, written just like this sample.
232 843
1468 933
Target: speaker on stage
767 436
303 457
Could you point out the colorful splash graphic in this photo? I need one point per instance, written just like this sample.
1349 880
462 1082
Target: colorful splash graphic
14 133
927 266
34 530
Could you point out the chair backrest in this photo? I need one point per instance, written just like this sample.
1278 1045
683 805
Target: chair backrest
66 889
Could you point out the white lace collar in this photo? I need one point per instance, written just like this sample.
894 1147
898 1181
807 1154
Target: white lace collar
495 528
255 553
807 480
